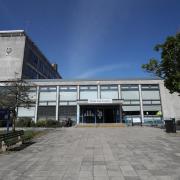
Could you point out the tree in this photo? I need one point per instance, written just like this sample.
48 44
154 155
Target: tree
168 68
14 94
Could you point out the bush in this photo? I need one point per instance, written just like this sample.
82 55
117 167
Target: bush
25 122
41 123
48 123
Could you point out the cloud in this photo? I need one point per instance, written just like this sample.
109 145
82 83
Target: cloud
95 71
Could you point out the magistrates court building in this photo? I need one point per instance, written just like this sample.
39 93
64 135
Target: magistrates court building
84 101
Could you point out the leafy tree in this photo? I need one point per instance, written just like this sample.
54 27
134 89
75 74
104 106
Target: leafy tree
168 68
14 94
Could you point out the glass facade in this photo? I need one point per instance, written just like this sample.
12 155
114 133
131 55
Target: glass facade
69 96
36 66
151 104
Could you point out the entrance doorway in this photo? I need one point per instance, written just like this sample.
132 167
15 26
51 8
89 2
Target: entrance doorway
100 114
109 115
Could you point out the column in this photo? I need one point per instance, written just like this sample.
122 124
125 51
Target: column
57 103
99 92
120 113
78 96
119 91
78 111
36 106
141 104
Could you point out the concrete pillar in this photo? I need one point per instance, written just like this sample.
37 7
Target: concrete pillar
57 103
99 92
119 91
141 104
78 93
36 106
78 113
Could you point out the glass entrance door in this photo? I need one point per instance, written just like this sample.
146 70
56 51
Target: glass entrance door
99 114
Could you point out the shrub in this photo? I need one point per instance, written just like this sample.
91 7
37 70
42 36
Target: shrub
48 123
41 123
25 122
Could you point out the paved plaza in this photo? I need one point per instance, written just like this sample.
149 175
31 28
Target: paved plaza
130 153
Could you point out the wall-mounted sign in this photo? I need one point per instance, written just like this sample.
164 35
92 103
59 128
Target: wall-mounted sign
99 101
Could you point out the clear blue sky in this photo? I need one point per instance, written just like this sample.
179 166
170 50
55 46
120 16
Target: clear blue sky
94 38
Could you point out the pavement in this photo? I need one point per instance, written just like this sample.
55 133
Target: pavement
130 153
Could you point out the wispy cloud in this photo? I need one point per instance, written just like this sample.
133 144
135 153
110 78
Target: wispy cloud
107 68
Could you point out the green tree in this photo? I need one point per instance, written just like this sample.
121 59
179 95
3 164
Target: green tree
168 68
13 95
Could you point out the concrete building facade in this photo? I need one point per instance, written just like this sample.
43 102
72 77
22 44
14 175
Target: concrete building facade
83 101
21 58
102 101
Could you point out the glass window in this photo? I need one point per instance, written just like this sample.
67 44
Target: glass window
130 94
151 94
88 92
149 86
129 87
26 112
47 94
109 92
131 108
68 93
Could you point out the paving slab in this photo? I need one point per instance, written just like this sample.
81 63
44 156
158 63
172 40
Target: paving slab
130 153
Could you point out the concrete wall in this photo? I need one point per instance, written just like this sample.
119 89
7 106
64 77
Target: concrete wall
11 57
170 103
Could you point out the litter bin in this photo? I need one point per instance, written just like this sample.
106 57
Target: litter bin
170 126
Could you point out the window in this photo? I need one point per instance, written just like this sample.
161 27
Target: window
47 94
68 93
88 92
130 92
109 92
150 94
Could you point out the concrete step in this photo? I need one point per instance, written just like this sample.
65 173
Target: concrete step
101 125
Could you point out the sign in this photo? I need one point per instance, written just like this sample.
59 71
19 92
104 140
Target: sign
99 101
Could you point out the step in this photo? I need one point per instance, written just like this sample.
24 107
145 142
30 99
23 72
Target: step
101 125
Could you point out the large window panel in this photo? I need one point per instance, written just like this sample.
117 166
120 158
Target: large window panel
46 112
131 108
130 94
109 92
47 94
26 112
152 108
88 92
68 94
154 95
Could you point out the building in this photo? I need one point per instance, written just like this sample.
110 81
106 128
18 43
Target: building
84 101
21 58
102 101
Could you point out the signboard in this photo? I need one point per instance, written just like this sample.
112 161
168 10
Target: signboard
99 101
136 120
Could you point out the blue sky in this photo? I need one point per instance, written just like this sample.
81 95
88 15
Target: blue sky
94 38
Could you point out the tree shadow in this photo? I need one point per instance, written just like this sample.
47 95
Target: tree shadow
21 147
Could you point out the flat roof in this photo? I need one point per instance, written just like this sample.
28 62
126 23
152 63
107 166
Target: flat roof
11 31
71 80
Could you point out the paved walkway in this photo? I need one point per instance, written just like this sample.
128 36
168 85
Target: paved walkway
96 154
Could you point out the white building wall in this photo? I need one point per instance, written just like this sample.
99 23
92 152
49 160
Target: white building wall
170 103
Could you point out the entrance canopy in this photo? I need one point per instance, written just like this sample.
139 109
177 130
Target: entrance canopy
100 102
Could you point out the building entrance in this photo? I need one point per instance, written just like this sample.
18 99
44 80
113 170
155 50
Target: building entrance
100 114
